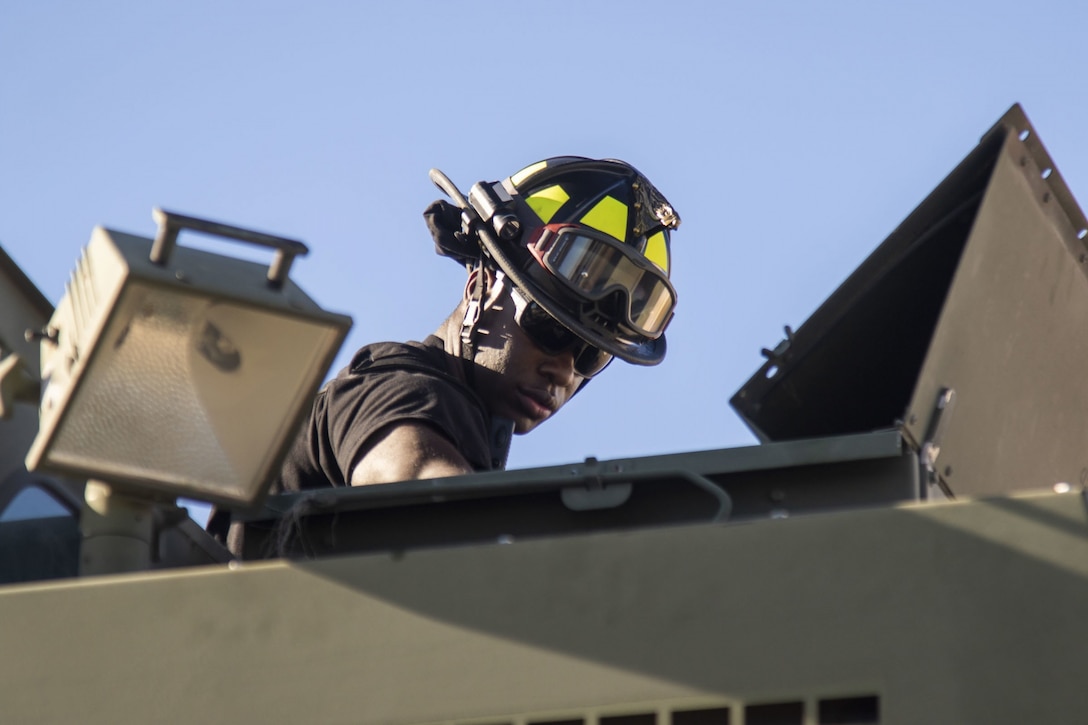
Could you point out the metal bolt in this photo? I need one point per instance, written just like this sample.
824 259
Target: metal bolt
45 333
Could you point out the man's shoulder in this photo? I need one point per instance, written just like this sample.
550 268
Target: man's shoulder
402 365
428 355
391 382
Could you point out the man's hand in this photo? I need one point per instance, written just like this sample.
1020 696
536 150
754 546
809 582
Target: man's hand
407 451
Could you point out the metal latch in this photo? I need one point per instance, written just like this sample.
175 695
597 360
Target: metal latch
931 449
775 356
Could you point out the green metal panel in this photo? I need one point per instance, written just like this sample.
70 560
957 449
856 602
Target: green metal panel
22 308
736 484
948 613
1011 341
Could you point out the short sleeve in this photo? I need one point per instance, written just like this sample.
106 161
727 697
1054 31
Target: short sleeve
360 404
384 384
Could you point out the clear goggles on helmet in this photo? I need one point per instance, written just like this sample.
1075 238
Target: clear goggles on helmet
553 338
595 265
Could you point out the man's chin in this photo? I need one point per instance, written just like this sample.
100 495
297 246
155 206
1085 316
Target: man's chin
525 425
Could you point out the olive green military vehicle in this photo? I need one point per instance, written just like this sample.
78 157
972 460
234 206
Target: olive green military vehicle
907 544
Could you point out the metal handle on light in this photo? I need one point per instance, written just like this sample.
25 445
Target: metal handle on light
171 224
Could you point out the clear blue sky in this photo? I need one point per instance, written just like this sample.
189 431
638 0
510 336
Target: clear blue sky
792 137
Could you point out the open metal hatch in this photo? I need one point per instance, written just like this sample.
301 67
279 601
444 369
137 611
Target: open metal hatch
965 329
23 307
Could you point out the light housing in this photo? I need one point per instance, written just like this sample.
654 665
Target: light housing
180 372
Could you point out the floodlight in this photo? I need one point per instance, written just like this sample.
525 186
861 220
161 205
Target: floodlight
171 371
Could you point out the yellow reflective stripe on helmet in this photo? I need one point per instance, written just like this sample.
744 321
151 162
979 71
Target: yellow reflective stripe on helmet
657 251
528 171
546 202
609 215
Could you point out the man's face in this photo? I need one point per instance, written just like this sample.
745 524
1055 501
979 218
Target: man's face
517 379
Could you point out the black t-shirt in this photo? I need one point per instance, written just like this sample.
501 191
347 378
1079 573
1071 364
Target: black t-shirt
386 383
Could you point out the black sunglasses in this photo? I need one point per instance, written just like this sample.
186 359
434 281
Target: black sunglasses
550 336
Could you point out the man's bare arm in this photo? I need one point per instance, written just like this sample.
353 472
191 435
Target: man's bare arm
406 451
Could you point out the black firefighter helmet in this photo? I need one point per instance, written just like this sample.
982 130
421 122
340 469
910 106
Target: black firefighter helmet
587 241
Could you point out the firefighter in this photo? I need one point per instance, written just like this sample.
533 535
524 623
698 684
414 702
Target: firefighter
568 266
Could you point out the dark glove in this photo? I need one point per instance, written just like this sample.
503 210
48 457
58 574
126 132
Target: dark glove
444 221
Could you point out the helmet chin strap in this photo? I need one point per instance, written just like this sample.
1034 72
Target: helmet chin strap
473 308
502 429
501 435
